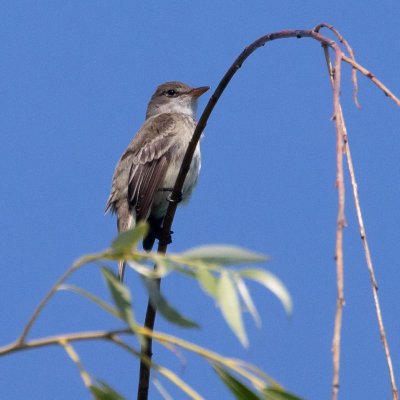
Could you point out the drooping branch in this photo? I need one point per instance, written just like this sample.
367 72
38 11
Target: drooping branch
144 371
371 271
175 195
256 377
354 185
373 78
79 263
144 374
341 140
351 53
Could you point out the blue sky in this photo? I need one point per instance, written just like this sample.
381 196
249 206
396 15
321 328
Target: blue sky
76 79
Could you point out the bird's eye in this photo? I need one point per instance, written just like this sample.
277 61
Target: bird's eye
171 92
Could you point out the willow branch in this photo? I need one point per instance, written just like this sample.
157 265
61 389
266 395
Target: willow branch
73 355
167 373
360 219
351 53
144 372
374 284
42 304
64 341
258 378
77 264
340 222
175 195
372 77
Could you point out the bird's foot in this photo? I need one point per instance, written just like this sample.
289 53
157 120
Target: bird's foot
159 236
175 197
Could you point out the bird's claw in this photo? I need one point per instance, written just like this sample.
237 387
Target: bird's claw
175 197
164 241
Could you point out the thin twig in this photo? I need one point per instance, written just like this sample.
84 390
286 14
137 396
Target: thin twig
351 53
73 355
43 303
355 66
161 389
238 366
373 78
370 267
360 219
144 373
167 373
77 264
339 281
56 340
340 223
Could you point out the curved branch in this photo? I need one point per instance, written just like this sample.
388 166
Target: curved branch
370 267
351 53
144 372
372 77
76 265
167 373
258 378
341 139
175 195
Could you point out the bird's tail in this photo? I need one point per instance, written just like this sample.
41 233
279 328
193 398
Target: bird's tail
148 241
125 220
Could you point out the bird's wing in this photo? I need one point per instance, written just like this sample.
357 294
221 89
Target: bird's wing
143 166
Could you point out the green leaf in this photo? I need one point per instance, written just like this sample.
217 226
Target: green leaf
228 300
144 270
97 300
272 283
208 282
121 296
223 255
247 299
102 391
278 394
167 263
125 241
239 389
165 309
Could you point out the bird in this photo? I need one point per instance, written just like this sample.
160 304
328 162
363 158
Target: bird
147 170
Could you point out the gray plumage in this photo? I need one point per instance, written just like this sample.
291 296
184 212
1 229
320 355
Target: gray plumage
149 166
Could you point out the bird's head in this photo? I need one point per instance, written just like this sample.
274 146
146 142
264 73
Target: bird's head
175 97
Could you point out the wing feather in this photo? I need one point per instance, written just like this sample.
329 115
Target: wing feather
152 179
143 166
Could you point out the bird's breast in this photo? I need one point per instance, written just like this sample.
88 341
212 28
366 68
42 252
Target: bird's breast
176 155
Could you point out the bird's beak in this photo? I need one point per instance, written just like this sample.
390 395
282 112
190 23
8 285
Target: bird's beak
197 92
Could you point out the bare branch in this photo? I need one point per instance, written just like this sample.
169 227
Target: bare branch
144 372
167 373
73 355
341 140
373 78
351 53
340 278
248 371
335 76
374 284
43 303
77 264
